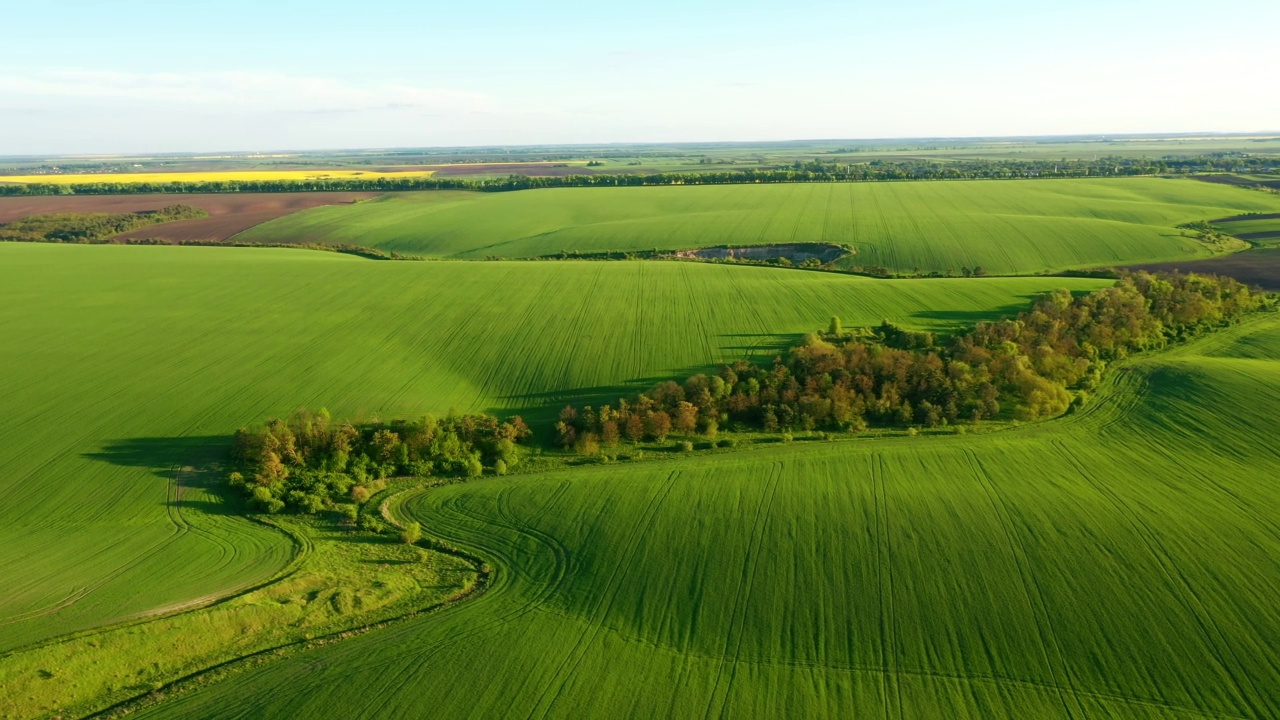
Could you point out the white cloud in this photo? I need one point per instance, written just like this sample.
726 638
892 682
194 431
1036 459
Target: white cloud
249 91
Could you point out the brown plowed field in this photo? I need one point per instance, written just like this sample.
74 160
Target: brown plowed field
1259 267
228 214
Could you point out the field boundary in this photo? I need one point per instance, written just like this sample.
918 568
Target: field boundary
190 681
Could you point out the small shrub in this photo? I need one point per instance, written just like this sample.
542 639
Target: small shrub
360 494
411 533
348 513
686 446
912 432
500 467
787 437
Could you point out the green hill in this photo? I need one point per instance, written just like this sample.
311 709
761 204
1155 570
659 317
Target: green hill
121 364
1119 563
1005 227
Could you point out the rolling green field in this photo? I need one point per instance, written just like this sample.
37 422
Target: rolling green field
1120 563
1004 227
124 363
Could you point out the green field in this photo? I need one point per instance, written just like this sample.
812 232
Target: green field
1004 227
1258 229
1121 563
121 363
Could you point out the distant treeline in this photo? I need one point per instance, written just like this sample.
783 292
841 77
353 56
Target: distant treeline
1033 366
812 171
311 462
90 227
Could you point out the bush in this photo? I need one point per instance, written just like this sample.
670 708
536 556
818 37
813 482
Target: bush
371 524
411 533
686 446
360 494
350 513
500 468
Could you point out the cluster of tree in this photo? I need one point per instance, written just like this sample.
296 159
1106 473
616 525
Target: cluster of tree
810 171
90 227
310 462
1211 237
1033 366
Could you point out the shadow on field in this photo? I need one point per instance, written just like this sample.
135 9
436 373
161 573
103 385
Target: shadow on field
542 409
162 454
969 318
199 457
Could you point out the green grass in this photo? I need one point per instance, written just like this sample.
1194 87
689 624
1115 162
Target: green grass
122 363
340 581
1117 563
1006 227
1120 563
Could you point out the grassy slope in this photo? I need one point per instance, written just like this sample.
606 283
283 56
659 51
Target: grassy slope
120 363
1121 563
1004 226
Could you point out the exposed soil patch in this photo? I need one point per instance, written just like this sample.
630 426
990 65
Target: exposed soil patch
1225 180
228 213
526 169
795 252
1259 267
1268 235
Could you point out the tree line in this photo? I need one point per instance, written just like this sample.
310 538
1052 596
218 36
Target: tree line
90 227
799 171
1037 365
310 462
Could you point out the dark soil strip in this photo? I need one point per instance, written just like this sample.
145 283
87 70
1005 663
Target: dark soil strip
1225 180
1260 267
1268 235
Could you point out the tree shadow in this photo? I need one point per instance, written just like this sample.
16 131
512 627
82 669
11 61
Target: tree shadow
162 454
541 409
199 458
969 318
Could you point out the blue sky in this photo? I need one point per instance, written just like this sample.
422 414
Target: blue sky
144 76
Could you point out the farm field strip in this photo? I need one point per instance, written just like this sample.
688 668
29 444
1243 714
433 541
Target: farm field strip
228 213
211 176
1118 563
1005 227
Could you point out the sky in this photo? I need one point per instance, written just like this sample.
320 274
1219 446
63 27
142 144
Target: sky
140 76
